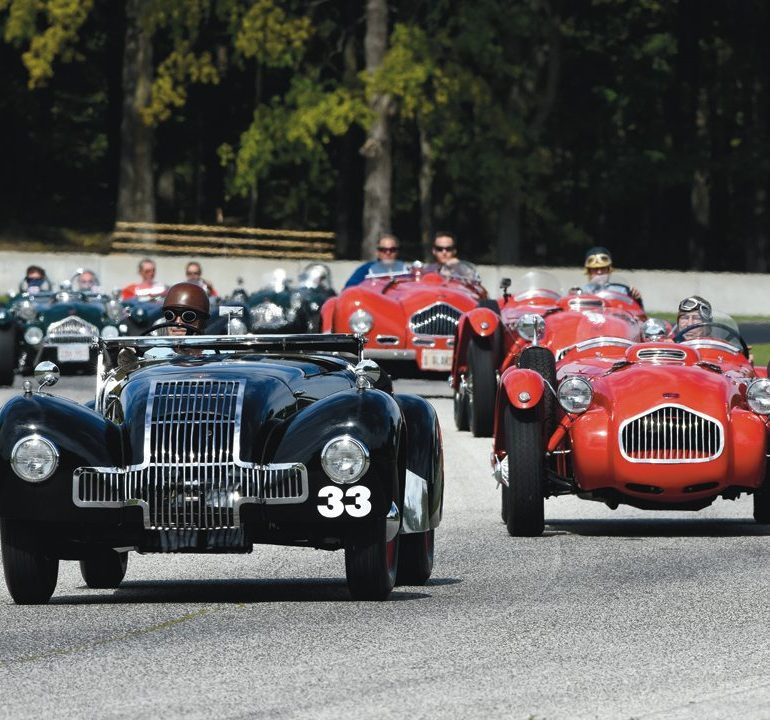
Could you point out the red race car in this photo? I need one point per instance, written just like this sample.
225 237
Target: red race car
658 425
410 315
489 341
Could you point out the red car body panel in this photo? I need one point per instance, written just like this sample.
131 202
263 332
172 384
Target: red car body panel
393 302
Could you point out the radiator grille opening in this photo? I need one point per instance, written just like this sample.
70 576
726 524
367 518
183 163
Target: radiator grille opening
438 319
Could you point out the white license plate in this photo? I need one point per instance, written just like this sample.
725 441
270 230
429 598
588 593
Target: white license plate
436 360
77 352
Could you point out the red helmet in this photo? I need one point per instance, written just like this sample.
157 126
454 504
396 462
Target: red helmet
186 297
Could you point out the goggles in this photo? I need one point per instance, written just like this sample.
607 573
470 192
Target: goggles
599 260
689 304
188 316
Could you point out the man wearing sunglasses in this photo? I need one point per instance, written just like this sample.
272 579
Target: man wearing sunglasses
447 263
387 257
193 273
185 309
148 287
598 267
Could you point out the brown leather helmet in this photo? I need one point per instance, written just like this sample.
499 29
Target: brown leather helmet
189 296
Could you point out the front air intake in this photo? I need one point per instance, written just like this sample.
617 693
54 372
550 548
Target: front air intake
438 319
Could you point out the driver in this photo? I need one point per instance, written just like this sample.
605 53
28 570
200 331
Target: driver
693 310
598 266
186 309
35 280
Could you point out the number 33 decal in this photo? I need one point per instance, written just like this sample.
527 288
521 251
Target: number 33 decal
334 501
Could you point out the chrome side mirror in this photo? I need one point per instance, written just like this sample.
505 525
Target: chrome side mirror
47 374
654 329
367 373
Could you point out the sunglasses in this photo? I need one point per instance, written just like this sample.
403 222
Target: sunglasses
188 316
444 248
695 303
193 272
387 250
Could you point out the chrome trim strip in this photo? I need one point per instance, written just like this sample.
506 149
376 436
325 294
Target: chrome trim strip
677 437
384 354
712 344
387 339
661 354
415 516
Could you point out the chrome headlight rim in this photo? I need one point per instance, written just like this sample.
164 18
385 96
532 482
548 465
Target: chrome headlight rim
363 460
569 395
53 458
114 310
33 335
531 327
27 310
109 331
360 321
758 396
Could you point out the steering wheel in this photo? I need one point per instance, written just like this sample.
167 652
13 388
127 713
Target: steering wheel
171 323
681 335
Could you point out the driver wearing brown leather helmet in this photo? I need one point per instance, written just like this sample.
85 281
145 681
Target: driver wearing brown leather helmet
186 309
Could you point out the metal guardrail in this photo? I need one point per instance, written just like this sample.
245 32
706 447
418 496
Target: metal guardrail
222 240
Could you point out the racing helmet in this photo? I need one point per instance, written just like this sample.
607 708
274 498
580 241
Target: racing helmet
188 301
596 258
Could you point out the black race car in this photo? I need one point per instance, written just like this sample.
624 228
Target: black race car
212 444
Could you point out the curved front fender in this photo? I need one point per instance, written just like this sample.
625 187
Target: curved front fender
327 315
483 321
524 388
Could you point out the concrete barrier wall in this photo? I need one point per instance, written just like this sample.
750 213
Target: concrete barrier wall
735 293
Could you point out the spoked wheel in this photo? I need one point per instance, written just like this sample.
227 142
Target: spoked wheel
371 563
105 570
7 355
541 360
30 575
461 408
526 473
481 385
415 558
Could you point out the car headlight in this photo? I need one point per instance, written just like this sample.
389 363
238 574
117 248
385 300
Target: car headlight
344 459
236 326
3 313
26 309
33 335
531 327
575 394
34 458
758 396
110 331
268 313
360 321
114 310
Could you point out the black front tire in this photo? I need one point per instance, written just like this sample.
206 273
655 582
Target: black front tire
762 504
7 355
482 385
461 409
542 361
30 575
371 563
526 473
415 558
105 570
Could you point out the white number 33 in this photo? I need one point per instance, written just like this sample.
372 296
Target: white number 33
335 506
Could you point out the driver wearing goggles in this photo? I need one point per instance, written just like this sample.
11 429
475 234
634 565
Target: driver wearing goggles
186 309
598 266
694 310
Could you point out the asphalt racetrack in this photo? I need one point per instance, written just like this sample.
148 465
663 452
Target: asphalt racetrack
612 614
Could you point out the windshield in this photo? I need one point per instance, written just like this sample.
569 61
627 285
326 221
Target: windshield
721 327
379 269
535 283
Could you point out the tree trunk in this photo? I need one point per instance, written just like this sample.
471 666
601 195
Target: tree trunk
427 172
377 148
136 196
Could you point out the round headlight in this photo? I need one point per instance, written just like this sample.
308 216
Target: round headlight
236 326
33 335
758 396
360 321
344 459
3 313
110 331
26 309
531 327
268 313
34 458
114 310
575 394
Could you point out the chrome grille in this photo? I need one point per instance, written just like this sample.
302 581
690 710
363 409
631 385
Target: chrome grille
72 329
438 319
191 476
661 354
671 434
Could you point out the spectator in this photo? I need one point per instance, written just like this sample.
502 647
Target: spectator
193 272
148 287
35 281
387 255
